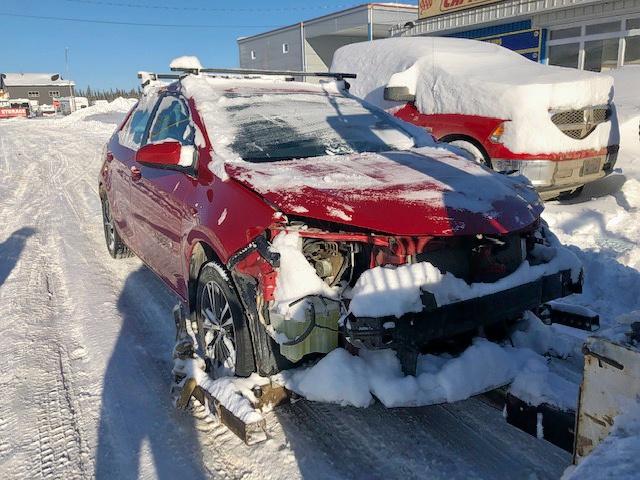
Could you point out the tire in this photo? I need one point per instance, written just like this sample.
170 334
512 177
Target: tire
115 245
224 340
477 154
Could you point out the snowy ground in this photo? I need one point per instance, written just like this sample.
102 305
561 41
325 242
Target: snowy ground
86 345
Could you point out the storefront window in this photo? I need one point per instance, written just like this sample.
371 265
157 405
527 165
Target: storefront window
632 51
601 55
633 23
564 55
603 28
565 33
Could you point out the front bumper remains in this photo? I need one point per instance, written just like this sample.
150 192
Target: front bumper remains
552 177
412 331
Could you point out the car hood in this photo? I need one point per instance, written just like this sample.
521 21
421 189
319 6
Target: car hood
421 192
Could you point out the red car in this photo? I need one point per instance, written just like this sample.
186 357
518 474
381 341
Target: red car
269 207
556 126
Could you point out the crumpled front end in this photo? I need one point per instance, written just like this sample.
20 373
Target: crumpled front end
314 288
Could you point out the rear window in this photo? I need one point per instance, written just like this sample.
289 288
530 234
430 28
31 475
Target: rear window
271 126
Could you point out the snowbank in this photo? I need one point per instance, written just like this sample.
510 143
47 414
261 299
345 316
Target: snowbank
450 75
111 112
626 81
354 380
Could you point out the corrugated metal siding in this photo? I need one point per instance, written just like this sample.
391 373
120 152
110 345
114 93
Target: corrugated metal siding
587 12
337 24
268 51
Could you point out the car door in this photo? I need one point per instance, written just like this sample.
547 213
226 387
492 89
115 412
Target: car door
121 154
159 194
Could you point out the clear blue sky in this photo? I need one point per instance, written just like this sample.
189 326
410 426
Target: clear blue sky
109 55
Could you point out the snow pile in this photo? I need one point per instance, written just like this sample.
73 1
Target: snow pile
617 455
626 81
186 63
450 75
396 290
110 112
296 277
353 380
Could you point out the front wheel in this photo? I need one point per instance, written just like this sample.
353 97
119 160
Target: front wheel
477 154
224 340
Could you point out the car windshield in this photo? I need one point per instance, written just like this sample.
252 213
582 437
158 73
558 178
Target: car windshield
271 126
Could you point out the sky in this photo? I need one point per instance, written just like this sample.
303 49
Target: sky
108 55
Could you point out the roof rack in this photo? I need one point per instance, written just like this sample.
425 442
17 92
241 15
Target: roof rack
281 73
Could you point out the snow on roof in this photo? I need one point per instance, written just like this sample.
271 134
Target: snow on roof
454 75
34 79
186 62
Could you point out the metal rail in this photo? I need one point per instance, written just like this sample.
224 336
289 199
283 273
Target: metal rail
281 73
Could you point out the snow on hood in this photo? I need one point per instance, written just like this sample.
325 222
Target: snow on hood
427 191
450 75
213 96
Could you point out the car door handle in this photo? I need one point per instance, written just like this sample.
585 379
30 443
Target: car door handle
136 174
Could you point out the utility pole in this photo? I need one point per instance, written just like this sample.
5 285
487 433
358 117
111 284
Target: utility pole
72 99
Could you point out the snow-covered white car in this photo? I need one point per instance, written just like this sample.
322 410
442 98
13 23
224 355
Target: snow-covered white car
555 125
291 218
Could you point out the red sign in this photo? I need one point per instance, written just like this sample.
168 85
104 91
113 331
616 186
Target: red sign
13 112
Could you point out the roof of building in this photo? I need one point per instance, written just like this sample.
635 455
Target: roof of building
34 80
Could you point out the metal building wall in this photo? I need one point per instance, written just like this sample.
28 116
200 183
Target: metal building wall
268 50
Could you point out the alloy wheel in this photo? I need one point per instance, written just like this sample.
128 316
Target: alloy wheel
218 332
109 228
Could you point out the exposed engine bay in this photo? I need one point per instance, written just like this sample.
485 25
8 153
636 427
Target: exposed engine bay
320 319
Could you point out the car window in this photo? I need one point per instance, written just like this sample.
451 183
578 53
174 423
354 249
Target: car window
172 122
132 133
272 126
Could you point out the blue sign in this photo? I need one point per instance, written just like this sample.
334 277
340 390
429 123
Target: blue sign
525 42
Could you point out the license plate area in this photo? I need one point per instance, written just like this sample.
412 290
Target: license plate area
590 166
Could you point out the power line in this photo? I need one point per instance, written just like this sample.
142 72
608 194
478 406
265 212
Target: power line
135 24
210 9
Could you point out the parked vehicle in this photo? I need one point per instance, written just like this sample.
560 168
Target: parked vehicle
47 110
71 104
14 108
555 125
291 218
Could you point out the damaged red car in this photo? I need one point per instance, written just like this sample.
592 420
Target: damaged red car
292 218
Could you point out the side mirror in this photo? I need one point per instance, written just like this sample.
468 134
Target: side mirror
160 154
398 94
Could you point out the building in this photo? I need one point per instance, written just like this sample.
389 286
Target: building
594 35
41 87
309 45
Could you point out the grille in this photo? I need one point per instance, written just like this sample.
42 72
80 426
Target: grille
579 124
